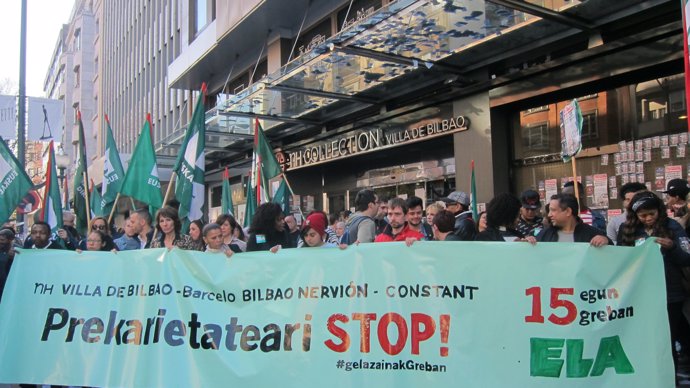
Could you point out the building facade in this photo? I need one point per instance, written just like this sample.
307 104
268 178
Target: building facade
402 96
71 78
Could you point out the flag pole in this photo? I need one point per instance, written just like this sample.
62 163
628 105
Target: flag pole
575 183
173 175
86 197
112 211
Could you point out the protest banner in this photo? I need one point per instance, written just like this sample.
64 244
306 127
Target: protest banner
486 314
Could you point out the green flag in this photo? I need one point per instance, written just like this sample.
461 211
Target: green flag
267 166
52 206
81 182
95 200
282 196
251 205
141 181
226 195
14 183
190 166
113 172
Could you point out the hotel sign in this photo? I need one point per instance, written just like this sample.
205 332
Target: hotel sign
370 140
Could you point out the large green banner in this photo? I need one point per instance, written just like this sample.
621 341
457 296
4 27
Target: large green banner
373 315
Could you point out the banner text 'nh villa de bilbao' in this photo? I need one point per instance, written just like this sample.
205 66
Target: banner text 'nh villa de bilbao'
488 314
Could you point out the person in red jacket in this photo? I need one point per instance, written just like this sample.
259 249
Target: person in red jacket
397 228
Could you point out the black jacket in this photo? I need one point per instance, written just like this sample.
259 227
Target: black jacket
465 228
583 234
674 259
495 234
278 238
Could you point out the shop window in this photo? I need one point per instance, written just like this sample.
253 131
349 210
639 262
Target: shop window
590 130
535 137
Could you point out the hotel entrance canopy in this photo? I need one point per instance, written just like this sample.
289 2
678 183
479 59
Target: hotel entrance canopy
406 54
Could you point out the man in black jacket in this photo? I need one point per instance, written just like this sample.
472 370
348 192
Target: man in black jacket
567 226
458 203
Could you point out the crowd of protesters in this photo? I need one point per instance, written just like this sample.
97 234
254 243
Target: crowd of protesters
508 218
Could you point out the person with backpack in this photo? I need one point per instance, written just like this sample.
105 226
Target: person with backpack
360 226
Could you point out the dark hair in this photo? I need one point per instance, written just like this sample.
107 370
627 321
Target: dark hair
234 225
169 212
414 201
398 202
632 187
143 213
363 199
444 221
264 221
198 224
208 228
100 234
645 200
332 219
565 201
503 210
41 223
7 232
384 199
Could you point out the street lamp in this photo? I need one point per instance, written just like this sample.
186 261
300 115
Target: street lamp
62 162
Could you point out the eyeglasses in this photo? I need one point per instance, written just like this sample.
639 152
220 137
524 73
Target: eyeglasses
99 227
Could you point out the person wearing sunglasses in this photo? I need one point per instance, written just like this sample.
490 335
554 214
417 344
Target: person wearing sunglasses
99 224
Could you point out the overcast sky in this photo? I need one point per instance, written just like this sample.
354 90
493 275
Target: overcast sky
44 20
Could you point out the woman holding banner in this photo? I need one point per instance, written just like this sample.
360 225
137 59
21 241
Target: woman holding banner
646 217
168 226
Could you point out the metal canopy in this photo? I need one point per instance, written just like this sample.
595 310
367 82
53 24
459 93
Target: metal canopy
371 63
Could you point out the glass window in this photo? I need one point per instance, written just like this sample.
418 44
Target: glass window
204 12
77 40
535 137
590 131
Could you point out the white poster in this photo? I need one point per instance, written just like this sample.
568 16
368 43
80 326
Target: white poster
46 119
601 198
8 117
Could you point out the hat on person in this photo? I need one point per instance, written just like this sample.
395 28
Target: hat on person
317 222
457 197
530 199
677 188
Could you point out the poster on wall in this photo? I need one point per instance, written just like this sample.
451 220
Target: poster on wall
680 151
639 168
672 172
624 179
648 143
665 152
550 187
647 156
605 159
589 188
542 191
639 156
601 198
613 192
673 140
683 138
659 180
